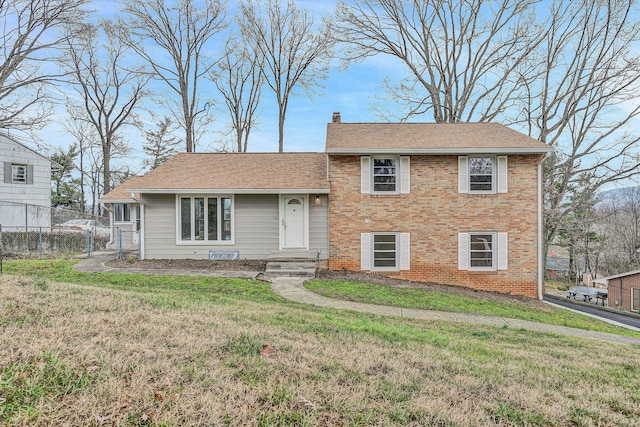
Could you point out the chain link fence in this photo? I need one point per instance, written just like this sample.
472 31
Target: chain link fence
126 242
38 230
44 240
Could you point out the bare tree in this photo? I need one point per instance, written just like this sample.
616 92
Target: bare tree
172 38
621 214
89 161
239 80
296 54
161 144
84 137
463 60
33 34
581 100
570 78
108 93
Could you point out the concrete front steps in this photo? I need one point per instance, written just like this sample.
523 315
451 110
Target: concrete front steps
300 264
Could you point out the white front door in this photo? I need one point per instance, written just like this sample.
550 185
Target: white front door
293 222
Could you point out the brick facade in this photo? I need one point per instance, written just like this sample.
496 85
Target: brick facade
621 291
434 213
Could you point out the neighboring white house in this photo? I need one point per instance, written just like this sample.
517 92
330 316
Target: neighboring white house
25 190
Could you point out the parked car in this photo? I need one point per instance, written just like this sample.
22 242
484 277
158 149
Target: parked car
82 225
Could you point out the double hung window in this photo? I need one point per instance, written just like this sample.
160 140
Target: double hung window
385 250
206 219
122 212
482 250
481 174
385 175
18 174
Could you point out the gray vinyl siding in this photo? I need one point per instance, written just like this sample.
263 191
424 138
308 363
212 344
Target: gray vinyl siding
160 226
319 227
255 228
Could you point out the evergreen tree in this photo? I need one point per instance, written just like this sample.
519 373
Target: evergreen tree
66 191
161 144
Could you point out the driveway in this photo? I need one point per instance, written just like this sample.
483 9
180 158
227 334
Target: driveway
625 319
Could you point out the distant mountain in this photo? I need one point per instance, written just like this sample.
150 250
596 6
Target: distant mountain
615 193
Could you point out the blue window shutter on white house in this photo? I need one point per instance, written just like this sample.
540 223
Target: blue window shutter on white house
463 251
463 174
365 251
502 174
405 174
365 174
502 251
405 254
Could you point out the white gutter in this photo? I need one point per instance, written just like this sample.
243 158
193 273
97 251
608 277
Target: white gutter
435 151
229 191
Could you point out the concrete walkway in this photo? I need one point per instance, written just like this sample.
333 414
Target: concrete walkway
294 290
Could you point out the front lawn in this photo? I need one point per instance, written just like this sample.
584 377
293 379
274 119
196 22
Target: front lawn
130 350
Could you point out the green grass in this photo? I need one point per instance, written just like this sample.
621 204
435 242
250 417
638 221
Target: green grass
25 386
372 293
164 287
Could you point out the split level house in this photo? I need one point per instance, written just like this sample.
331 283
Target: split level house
458 204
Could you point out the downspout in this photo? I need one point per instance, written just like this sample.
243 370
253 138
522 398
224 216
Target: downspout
540 231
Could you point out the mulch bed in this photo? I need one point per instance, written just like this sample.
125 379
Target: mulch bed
189 264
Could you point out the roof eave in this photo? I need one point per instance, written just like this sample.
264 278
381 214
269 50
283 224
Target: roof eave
129 200
229 190
438 151
617 276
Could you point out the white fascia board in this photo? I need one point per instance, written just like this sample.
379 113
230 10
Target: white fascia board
439 151
229 190
116 201
617 276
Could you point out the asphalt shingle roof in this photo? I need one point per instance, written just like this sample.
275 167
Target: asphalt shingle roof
236 171
428 138
119 194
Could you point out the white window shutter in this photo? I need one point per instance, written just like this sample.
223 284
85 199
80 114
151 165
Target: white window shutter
365 251
405 254
7 172
365 174
463 174
502 174
29 174
405 174
502 251
463 251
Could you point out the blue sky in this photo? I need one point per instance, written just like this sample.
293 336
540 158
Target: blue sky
351 92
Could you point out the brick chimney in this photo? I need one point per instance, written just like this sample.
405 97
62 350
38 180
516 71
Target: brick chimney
336 117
